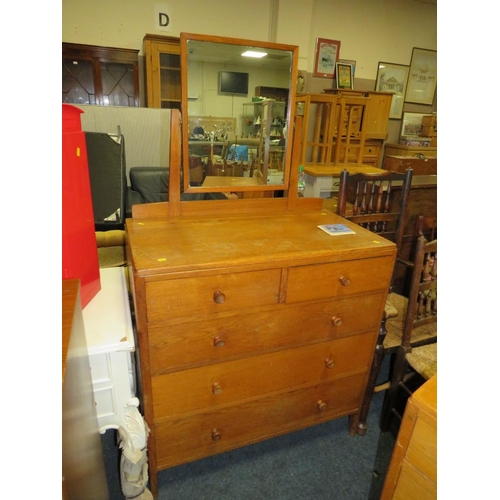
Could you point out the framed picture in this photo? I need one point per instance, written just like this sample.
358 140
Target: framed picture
327 54
422 80
352 63
393 78
412 124
344 77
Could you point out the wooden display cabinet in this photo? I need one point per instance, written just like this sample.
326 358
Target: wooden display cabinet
102 76
256 122
163 71
378 110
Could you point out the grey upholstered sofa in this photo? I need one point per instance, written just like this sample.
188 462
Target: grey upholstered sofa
150 185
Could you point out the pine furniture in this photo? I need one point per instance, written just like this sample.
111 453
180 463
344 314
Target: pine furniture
412 473
163 71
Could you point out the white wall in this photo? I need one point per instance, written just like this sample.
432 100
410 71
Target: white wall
369 30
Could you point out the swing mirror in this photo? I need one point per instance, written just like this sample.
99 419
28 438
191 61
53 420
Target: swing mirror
234 139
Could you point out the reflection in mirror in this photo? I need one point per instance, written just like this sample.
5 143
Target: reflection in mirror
238 109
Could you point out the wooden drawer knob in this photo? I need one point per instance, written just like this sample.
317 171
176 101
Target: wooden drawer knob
219 297
344 281
329 363
216 388
216 435
336 320
219 341
321 405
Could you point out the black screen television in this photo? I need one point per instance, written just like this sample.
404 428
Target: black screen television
233 83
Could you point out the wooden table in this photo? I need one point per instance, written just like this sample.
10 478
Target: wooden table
412 473
322 182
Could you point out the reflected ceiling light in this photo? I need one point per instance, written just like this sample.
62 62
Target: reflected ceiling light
251 53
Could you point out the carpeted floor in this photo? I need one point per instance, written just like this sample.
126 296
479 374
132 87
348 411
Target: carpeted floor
322 462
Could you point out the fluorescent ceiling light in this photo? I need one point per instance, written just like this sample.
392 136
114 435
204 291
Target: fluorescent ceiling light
251 53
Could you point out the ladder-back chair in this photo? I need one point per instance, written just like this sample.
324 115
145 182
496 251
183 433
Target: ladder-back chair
379 203
414 329
375 205
350 130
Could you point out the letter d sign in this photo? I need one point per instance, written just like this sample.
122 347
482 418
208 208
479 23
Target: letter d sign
163 16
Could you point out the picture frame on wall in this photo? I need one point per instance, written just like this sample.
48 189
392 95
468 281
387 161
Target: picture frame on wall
422 80
352 63
344 78
393 78
327 55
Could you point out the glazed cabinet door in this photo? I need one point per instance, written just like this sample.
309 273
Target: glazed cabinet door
101 76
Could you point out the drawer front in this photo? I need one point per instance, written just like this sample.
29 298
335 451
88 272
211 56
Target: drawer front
338 279
181 440
195 297
422 449
211 386
413 485
180 346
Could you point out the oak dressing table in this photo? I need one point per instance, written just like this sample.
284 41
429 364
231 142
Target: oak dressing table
251 321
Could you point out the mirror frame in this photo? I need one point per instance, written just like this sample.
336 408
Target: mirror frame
294 50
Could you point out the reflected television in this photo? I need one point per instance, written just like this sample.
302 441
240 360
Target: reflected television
233 83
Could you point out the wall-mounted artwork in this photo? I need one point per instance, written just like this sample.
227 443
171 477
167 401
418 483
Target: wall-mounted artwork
344 78
422 81
327 55
393 78
352 62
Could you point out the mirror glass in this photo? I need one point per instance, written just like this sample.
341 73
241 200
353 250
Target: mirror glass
236 111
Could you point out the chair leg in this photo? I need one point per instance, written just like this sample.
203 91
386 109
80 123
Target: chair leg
378 357
399 371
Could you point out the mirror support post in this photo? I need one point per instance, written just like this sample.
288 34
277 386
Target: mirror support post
294 163
174 167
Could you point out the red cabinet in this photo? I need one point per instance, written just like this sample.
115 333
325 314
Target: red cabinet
79 247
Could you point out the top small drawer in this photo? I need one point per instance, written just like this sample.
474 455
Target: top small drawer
195 297
338 279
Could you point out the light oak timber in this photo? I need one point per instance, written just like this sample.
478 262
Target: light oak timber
336 170
412 473
206 366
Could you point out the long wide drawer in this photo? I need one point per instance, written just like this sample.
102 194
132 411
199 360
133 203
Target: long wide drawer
188 297
181 440
338 279
211 386
179 346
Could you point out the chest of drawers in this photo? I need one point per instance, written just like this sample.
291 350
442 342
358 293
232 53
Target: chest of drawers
251 326
412 473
